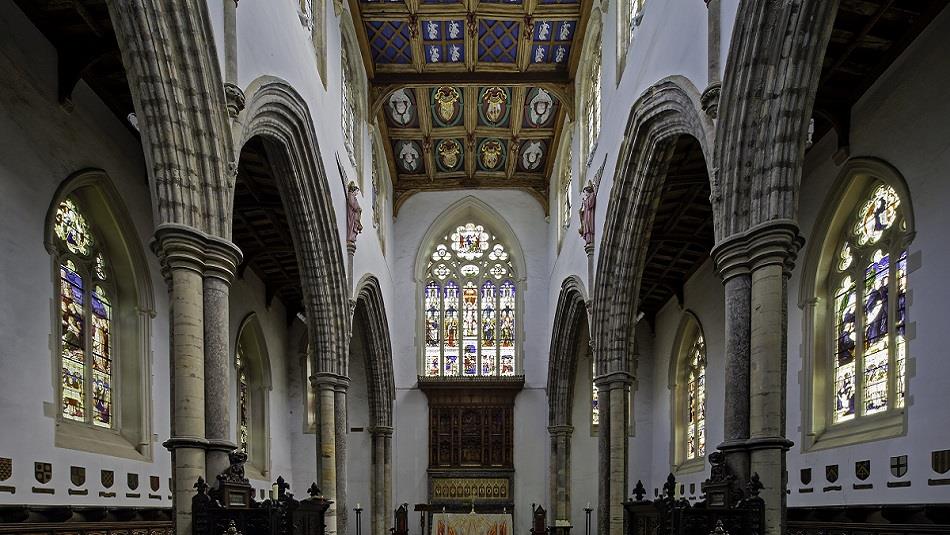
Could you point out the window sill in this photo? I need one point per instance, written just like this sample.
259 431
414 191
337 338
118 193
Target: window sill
868 429
101 441
691 466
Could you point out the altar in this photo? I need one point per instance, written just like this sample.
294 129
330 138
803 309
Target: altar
471 524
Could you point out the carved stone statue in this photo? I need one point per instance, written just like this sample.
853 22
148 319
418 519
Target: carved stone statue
588 204
353 212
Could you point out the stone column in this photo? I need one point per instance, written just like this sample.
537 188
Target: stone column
381 489
772 251
180 250
221 263
561 472
614 388
326 442
732 264
339 407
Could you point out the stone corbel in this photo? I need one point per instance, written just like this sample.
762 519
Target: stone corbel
234 97
709 100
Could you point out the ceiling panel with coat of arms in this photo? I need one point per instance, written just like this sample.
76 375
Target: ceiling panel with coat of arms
468 93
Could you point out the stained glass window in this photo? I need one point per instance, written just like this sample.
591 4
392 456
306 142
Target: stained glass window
470 306
867 321
696 399
594 396
592 102
350 107
85 318
244 407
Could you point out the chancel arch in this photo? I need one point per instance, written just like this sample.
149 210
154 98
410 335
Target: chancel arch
854 297
103 309
252 371
666 129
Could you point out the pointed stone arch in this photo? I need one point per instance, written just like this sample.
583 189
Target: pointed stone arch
279 115
276 112
168 51
768 93
665 112
571 315
378 361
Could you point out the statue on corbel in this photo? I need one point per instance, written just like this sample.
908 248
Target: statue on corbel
353 213
588 206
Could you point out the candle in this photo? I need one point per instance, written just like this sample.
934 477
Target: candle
358 506
588 505
273 492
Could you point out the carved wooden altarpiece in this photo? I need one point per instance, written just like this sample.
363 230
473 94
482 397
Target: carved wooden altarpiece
471 442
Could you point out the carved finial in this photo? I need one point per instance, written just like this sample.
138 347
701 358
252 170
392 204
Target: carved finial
754 486
201 486
639 491
669 488
314 490
719 529
282 487
232 529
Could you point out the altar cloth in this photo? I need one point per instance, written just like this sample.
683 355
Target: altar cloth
471 524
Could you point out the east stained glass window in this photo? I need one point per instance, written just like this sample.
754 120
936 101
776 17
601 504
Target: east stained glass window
85 320
470 306
868 305
696 399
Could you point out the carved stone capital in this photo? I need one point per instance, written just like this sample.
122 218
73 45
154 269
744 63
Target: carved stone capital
561 430
235 98
709 100
769 243
329 381
182 247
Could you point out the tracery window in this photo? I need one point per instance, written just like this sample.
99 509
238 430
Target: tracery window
868 307
86 294
592 101
696 399
252 374
630 13
470 303
594 397
350 106
567 184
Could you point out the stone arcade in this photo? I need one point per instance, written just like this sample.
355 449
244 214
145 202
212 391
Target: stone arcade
462 266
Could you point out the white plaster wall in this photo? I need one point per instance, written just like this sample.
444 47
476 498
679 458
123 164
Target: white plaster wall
903 120
526 218
359 444
248 297
703 295
41 145
585 477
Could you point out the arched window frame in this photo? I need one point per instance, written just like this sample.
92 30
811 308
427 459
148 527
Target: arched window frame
312 15
379 189
589 85
128 285
565 183
859 178
252 381
629 17
688 390
462 212
352 94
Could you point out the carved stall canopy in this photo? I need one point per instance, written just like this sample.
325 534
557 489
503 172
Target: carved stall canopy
868 36
86 49
471 94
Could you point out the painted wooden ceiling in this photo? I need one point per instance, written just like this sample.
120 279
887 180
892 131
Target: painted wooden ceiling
469 93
